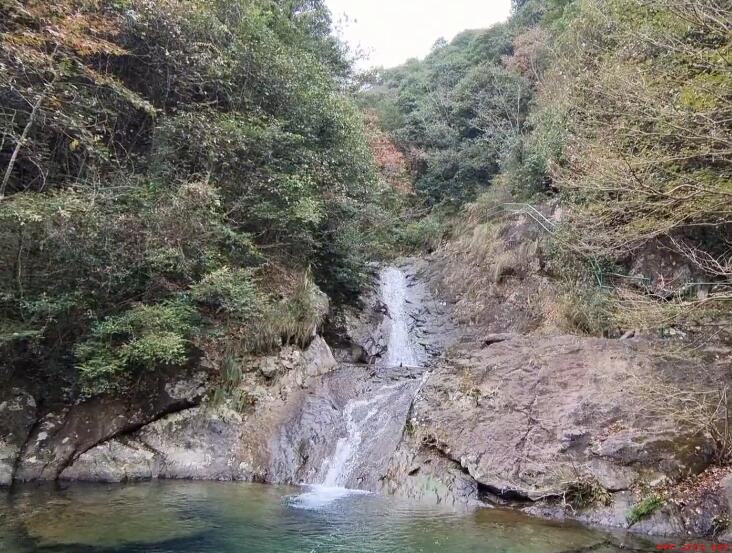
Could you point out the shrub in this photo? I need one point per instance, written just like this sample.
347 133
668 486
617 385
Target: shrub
141 338
291 320
423 234
229 290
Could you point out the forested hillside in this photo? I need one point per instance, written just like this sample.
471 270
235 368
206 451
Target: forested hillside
178 178
190 177
613 118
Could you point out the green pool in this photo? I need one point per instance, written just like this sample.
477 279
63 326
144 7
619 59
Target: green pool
213 517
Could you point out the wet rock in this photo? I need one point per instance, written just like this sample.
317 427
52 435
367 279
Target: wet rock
361 336
424 476
114 461
306 439
666 521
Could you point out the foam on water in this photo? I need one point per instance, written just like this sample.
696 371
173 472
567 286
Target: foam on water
319 496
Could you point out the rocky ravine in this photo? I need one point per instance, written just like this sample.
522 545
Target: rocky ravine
526 421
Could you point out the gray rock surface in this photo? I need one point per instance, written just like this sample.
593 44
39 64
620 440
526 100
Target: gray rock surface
528 416
17 416
194 444
62 435
318 358
418 473
306 440
215 442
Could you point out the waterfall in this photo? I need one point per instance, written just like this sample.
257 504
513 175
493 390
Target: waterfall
367 422
358 413
393 287
371 417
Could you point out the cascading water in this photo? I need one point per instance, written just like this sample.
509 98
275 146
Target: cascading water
370 418
357 414
393 288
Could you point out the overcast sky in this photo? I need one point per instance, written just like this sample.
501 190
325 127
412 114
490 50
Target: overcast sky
393 31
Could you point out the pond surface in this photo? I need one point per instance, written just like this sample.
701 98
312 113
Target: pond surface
216 517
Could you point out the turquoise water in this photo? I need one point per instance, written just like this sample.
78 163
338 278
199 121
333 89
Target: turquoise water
213 517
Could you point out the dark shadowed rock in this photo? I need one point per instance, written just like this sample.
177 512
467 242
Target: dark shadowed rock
17 417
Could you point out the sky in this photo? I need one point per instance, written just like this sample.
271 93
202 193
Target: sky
392 31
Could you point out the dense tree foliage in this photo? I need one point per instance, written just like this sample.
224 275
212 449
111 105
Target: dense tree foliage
182 178
455 113
170 169
623 107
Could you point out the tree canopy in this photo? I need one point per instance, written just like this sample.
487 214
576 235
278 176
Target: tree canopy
171 167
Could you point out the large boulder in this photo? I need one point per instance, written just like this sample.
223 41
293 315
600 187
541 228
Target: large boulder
62 435
534 418
198 443
318 358
530 416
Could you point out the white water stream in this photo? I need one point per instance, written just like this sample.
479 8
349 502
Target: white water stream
393 287
367 414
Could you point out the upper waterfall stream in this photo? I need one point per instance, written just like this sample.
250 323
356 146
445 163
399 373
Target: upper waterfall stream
393 290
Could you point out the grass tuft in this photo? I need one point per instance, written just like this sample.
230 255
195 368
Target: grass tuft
644 508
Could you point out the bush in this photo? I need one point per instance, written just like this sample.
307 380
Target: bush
141 338
157 150
229 290
641 159
291 320
426 233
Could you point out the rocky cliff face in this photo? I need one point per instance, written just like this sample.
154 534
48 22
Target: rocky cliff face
555 426
38 444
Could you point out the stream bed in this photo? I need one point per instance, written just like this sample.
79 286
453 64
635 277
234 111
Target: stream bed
229 517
